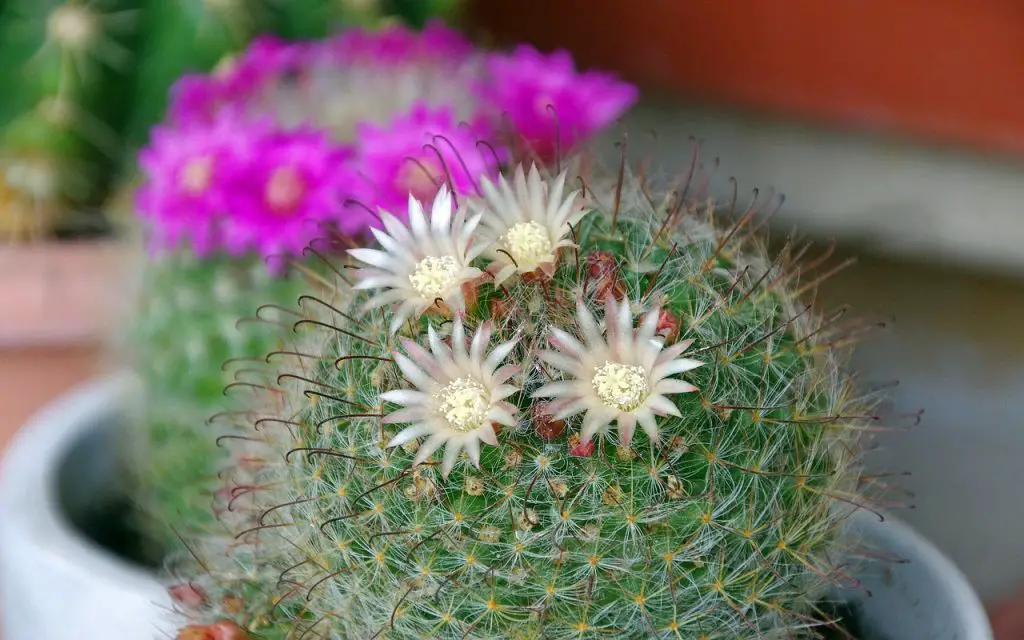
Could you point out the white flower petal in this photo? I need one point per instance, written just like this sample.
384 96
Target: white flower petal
648 422
404 397
409 434
663 406
413 373
373 257
451 456
487 435
473 450
428 448
671 385
680 365
627 425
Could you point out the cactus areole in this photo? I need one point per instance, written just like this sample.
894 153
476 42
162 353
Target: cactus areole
661 447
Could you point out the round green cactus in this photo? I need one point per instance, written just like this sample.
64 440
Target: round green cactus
193 325
549 414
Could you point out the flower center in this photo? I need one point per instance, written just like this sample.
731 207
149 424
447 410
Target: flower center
284 190
528 244
621 386
434 276
72 26
197 175
419 178
464 404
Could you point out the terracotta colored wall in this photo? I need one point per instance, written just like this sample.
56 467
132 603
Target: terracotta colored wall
949 70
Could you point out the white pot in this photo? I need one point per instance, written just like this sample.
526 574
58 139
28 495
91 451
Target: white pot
922 596
55 584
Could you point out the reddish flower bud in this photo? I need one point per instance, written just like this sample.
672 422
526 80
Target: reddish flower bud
668 325
220 630
500 308
547 427
601 264
188 594
580 449
232 604
603 270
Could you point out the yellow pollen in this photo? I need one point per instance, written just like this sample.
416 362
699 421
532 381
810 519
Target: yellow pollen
551 590
196 176
464 405
434 277
593 560
582 626
492 605
379 557
640 600
518 547
528 245
284 190
471 560
342 491
622 387
378 508
447 617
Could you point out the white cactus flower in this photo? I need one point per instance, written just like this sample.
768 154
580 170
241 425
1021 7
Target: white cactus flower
624 378
421 263
460 393
528 226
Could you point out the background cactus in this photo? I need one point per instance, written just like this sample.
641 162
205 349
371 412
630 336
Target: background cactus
88 79
257 159
726 524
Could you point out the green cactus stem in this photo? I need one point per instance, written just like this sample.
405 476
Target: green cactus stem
614 415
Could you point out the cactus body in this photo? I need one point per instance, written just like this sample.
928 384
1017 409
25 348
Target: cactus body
188 327
718 518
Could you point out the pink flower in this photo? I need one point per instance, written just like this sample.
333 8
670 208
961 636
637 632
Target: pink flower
236 81
398 44
188 174
548 102
418 152
288 196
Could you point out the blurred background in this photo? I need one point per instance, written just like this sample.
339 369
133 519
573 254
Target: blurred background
895 128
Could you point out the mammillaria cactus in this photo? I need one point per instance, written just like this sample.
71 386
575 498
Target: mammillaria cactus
567 407
288 142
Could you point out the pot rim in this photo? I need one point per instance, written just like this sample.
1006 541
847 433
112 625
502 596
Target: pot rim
29 479
865 525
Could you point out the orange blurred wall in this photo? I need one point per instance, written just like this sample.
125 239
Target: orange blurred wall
947 70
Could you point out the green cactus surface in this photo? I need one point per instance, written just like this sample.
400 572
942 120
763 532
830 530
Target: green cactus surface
720 518
194 323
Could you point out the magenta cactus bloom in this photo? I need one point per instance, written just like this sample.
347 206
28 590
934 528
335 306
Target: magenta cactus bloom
290 194
398 44
190 171
293 136
419 152
236 81
548 103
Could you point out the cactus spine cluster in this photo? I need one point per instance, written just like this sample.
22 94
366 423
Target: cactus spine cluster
651 436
